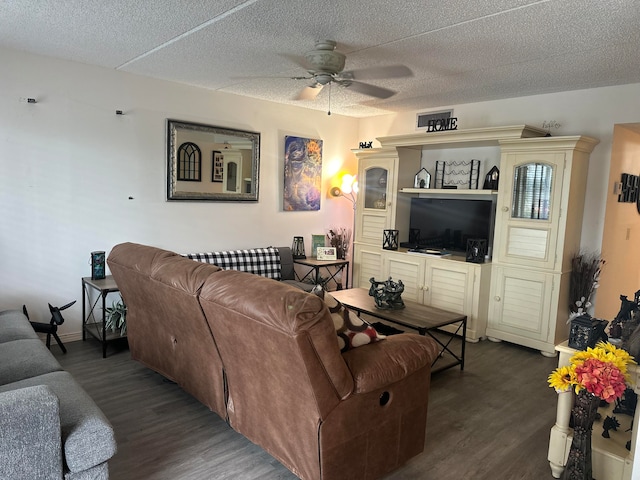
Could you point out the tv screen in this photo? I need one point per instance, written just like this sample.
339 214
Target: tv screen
447 223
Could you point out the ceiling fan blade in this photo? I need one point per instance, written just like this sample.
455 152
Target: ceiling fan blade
298 60
270 76
375 73
309 93
369 89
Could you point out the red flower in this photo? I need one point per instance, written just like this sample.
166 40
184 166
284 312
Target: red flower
603 379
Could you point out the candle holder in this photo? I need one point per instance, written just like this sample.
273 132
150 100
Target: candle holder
476 250
390 239
297 249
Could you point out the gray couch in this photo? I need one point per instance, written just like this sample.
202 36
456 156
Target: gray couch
49 426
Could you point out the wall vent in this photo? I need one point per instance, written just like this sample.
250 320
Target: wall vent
422 119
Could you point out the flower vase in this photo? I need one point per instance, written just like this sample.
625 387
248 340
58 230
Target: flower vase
579 465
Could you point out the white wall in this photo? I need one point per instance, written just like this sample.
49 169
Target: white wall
590 112
69 164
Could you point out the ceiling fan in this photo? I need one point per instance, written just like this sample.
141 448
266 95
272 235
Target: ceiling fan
326 66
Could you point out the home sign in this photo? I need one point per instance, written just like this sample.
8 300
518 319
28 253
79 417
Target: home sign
442 124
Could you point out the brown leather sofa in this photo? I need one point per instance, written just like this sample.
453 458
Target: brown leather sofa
264 356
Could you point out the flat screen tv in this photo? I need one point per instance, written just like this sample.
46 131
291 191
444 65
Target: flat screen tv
447 223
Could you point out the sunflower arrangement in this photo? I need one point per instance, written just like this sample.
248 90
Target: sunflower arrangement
601 371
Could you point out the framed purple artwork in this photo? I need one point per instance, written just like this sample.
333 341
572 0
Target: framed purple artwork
302 174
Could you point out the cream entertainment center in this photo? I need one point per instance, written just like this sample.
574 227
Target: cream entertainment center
520 293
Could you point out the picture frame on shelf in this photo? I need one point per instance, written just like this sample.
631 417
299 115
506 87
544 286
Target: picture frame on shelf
326 253
316 242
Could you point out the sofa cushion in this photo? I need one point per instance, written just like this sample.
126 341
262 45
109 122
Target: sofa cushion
30 432
27 358
352 330
87 436
261 261
15 326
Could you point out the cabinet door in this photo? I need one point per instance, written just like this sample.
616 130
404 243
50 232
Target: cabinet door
449 285
367 264
521 308
375 178
409 269
528 214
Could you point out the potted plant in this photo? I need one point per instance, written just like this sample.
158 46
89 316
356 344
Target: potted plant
116 318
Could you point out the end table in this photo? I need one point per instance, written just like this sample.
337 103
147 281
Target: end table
96 327
316 265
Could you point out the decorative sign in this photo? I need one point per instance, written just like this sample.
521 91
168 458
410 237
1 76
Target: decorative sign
366 144
442 124
629 189
629 184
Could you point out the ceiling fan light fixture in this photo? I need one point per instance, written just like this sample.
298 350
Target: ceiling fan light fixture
323 78
324 58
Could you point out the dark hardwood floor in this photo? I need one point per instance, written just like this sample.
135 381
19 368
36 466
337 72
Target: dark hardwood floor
490 422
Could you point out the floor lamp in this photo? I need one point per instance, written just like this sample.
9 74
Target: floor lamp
348 189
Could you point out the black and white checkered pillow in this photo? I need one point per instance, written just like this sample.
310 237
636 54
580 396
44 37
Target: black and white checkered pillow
261 261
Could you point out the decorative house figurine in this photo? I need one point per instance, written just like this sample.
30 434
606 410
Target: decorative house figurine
586 331
422 179
491 179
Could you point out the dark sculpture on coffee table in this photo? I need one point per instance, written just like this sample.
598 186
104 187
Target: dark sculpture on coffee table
387 294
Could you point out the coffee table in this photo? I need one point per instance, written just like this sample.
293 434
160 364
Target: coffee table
423 318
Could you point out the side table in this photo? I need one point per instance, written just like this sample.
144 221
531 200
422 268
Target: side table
316 265
611 459
92 324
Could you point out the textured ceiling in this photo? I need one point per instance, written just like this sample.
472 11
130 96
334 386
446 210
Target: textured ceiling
459 51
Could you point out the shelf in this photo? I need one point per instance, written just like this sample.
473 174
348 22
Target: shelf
449 191
468 138
95 330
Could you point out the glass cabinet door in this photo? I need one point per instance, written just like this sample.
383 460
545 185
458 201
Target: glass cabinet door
532 188
529 209
375 188
375 210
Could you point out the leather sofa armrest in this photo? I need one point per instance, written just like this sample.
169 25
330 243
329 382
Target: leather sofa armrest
382 363
30 437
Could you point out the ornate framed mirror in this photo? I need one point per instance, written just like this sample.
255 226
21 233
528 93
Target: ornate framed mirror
209 163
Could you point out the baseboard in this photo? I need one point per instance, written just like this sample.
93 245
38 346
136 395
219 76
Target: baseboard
65 337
